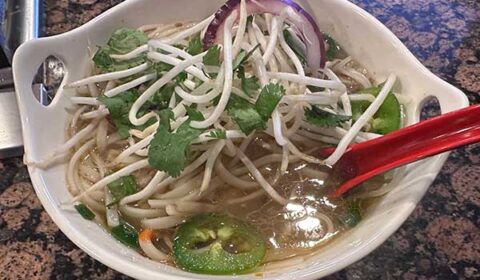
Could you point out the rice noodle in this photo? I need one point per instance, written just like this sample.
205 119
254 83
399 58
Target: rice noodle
127 86
110 76
151 251
260 179
163 222
307 80
132 54
232 180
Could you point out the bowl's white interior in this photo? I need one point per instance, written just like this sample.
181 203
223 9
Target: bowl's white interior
360 34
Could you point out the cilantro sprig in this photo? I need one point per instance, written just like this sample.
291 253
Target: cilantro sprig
249 85
212 57
119 108
245 115
195 45
122 41
268 99
322 118
250 117
168 150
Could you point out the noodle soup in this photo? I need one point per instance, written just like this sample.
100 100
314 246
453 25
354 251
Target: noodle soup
197 143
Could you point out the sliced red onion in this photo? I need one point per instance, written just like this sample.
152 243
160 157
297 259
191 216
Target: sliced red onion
298 17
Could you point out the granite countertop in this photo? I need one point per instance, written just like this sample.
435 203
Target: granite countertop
441 239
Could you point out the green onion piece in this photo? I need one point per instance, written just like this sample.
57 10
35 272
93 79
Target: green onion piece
84 211
353 216
126 234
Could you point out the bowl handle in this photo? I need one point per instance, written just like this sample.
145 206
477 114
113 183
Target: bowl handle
29 56
26 62
449 97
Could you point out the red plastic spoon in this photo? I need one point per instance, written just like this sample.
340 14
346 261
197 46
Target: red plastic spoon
424 139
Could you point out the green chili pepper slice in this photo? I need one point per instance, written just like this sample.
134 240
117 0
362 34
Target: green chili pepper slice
388 117
217 244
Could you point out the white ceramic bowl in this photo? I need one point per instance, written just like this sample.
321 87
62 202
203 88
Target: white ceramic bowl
362 36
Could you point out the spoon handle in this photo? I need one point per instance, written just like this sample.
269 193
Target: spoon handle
409 144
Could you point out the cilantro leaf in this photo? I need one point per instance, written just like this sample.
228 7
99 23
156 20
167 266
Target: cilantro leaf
168 150
162 97
333 47
218 133
161 68
194 114
102 58
212 57
245 115
268 99
165 116
242 57
195 46
249 85
181 77
122 41
122 187
125 40
322 118
105 63
119 107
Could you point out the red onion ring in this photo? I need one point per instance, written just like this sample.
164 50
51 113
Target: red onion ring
303 22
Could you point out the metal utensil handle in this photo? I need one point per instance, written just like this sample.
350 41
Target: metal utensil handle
21 22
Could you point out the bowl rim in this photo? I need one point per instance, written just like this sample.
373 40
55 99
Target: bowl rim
129 268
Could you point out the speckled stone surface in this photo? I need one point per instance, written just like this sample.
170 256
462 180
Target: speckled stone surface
441 240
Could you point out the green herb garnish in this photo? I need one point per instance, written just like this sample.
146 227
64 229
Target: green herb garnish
84 211
250 117
194 114
353 216
126 234
333 47
212 57
168 150
268 99
195 46
249 85
121 188
122 41
218 134
242 57
322 118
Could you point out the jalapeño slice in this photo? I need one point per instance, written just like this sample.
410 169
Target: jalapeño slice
218 244
388 117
